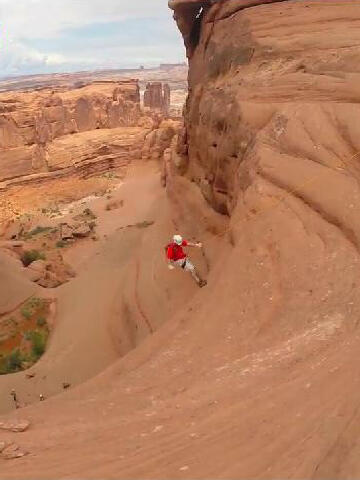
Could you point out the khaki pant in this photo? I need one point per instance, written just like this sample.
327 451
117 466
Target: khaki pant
186 265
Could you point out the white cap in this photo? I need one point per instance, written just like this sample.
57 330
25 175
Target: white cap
178 239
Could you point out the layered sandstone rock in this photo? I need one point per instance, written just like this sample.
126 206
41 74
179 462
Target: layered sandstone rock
267 104
31 122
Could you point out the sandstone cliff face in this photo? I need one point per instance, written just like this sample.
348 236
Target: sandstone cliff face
30 122
273 142
271 99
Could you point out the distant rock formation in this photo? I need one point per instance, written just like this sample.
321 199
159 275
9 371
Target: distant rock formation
157 96
39 130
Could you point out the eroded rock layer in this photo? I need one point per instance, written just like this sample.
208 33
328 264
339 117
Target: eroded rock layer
272 99
32 122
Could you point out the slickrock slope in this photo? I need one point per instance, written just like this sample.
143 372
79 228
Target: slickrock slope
15 288
30 122
256 375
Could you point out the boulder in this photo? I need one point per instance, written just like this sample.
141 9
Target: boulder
36 270
66 231
15 426
49 280
82 230
12 451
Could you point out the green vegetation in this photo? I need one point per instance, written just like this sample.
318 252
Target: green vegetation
11 363
41 322
31 306
26 312
38 339
60 244
30 256
31 334
37 231
16 361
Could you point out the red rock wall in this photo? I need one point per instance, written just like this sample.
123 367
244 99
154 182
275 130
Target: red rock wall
268 86
31 121
273 142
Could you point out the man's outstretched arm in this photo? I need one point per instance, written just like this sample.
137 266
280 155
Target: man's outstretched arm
191 244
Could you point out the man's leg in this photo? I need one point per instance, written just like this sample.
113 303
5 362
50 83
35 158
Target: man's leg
189 267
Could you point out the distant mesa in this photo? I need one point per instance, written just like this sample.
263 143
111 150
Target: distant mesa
170 66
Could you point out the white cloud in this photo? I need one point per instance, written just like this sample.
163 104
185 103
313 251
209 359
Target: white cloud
46 18
33 35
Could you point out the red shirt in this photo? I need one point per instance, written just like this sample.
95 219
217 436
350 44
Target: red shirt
175 251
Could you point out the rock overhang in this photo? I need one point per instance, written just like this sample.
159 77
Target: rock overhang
188 14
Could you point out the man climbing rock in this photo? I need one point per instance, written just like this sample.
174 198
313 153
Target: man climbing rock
177 258
14 396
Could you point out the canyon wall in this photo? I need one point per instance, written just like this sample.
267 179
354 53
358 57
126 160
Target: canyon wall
33 124
273 143
273 98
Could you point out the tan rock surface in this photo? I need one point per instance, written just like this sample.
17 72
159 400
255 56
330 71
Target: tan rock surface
14 286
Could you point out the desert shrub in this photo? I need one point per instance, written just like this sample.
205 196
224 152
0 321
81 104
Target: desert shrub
36 302
60 244
37 231
38 343
30 307
26 312
30 256
41 322
11 363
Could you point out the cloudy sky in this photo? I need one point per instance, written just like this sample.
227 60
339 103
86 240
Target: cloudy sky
41 36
